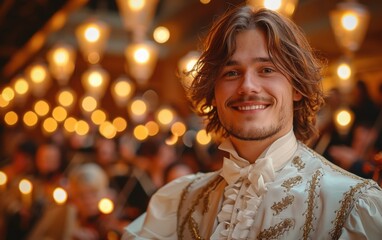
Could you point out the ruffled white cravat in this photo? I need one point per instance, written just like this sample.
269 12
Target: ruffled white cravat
247 184
257 173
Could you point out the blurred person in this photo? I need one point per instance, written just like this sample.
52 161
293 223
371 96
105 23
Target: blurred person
176 170
258 76
363 106
80 218
158 156
18 214
50 165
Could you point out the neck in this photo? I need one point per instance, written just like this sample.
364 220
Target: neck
251 150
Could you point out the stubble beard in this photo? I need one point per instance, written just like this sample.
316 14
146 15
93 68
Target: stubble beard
256 133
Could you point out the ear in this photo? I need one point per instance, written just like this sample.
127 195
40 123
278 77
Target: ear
297 96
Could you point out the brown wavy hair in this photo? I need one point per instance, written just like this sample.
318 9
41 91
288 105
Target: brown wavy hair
289 51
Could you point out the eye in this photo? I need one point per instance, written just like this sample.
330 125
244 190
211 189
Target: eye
268 70
231 73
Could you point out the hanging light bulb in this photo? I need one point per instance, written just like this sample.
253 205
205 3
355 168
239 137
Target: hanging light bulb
95 81
285 7
92 37
61 60
21 89
349 22
186 68
122 90
39 78
137 15
141 60
345 74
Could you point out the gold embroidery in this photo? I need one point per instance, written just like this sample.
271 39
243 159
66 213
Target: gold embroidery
291 182
194 229
192 224
277 230
298 163
314 182
283 204
346 205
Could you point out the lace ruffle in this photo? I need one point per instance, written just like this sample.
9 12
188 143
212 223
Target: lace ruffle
239 229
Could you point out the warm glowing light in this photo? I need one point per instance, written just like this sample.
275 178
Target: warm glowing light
70 124
343 118
66 98
171 140
38 73
95 79
186 66
59 195
11 118
61 56
82 128
120 124
272 4
3 178
92 33
344 71
92 37
205 1
41 107
141 55
8 94
59 113
152 128
140 132
106 206
30 119
21 86
165 116
89 103
107 130
161 34
178 128
141 60
25 186
136 5
3 102
98 117
49 125
349 21
202 137
61 60
138 107
123 88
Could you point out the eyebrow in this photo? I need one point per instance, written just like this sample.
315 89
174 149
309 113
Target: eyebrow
258 59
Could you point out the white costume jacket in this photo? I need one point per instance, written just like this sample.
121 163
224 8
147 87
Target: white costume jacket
290 192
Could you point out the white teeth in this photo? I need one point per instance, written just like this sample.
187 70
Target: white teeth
251 107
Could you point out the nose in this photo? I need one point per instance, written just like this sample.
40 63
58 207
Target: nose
249 84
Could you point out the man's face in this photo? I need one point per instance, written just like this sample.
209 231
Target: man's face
254 100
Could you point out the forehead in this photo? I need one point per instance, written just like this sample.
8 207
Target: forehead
250 43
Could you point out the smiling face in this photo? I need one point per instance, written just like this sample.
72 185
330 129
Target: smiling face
254 100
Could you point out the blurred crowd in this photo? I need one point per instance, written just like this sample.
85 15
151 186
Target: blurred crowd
356 147
123 172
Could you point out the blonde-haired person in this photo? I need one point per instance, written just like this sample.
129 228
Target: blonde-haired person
263 82
80 218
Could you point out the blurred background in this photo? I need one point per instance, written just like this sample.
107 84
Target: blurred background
101 81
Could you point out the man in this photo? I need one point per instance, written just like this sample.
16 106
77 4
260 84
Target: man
259 74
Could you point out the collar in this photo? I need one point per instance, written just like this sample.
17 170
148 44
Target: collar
279 151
